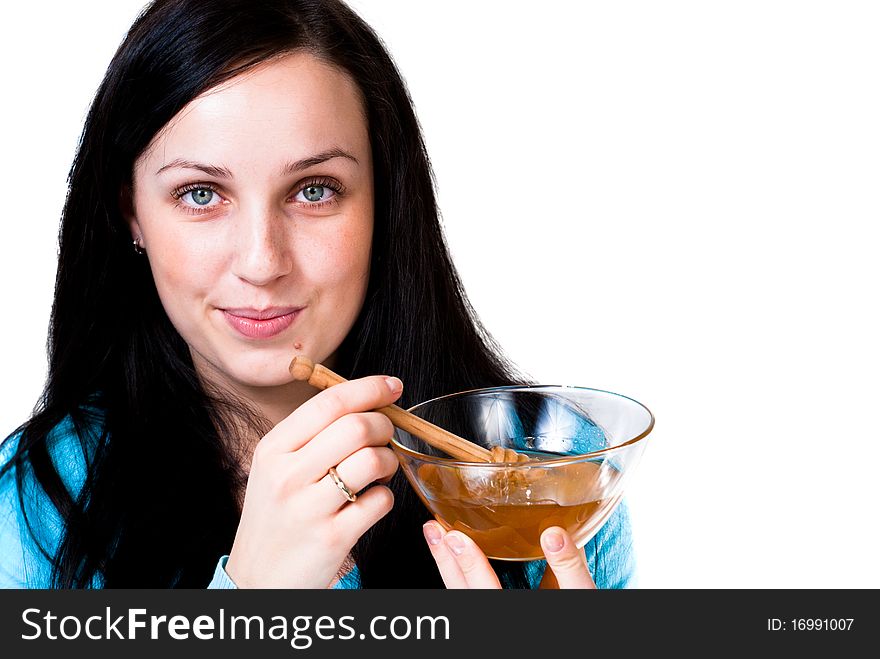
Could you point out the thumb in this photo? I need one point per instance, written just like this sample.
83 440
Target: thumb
566 564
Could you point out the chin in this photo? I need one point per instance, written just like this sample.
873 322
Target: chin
243 368
248 371
249 379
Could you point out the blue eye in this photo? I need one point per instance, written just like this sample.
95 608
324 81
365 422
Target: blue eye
314 193
318 193
201 196
197 197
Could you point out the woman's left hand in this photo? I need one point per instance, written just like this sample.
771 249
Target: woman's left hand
462 563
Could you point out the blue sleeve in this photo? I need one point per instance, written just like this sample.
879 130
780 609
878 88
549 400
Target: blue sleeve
221 580
610 553
14 554
25 557
23 563
31 527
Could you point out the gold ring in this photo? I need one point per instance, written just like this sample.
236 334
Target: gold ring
351 496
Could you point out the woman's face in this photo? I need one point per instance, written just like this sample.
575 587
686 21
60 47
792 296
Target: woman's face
256 201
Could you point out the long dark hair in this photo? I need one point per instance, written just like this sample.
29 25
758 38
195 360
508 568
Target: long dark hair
158 506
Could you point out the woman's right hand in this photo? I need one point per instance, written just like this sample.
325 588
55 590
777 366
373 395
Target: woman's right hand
297 527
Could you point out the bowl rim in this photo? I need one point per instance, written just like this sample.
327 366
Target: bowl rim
568 459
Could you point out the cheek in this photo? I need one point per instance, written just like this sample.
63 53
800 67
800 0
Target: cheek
183 271
179 258
347 265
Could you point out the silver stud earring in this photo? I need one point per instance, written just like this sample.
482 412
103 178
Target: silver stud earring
137 248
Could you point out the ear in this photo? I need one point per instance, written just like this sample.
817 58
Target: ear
126 207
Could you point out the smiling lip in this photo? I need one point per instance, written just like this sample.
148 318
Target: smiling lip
261 324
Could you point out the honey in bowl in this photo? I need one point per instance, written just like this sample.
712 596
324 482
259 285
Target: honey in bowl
583 443
505 510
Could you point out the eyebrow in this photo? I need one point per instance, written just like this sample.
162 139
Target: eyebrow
317 159
210 170
289 168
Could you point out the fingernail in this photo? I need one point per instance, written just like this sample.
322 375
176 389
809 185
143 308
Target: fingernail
454 543
432 535
554 541
394 384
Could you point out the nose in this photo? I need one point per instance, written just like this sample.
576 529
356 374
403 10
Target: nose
262 251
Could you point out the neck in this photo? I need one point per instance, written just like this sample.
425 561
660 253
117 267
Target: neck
272 404
275 403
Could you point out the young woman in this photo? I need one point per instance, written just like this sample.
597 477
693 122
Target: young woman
251 184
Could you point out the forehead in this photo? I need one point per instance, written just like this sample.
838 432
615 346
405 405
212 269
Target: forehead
295 105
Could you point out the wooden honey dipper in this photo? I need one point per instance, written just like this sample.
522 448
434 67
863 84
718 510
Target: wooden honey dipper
304 369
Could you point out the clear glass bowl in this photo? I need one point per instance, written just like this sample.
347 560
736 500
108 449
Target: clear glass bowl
585 442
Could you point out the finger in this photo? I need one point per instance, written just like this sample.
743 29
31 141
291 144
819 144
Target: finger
357 471
471 560
310 418
448 567
353 519
343 438
566 563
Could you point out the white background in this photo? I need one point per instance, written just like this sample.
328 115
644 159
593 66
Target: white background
676 201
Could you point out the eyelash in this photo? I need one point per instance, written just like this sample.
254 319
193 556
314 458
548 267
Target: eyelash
322 182
329 183
189 187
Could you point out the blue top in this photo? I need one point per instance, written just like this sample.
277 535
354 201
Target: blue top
24 565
